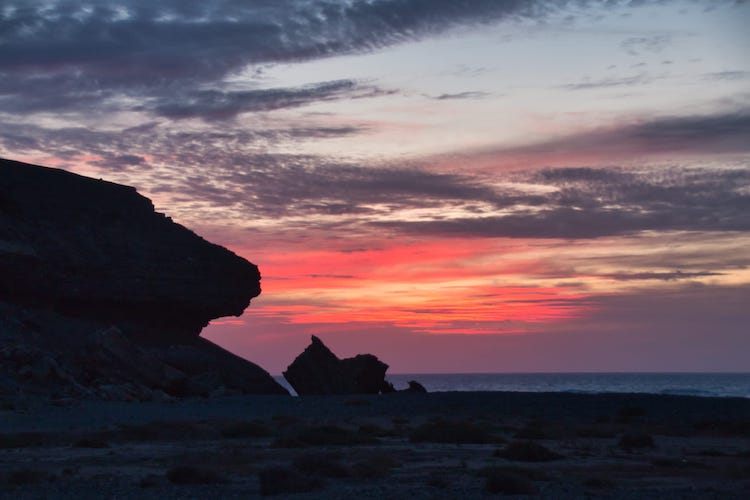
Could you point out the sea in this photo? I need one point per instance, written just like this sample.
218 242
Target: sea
690 384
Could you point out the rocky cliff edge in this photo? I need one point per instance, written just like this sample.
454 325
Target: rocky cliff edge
100 294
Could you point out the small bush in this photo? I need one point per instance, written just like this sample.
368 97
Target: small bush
375 466
458 432
326 465
88 442
188 474
636 440
710 452
164 431
598 483
244 430
631 412
357 402
376 431
324 435
596 432
25 476
22 440
438 482
149 481
678 463
278 480
507 483
725 427
527 451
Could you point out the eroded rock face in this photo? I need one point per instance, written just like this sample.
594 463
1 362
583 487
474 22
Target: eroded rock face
101 290
318 371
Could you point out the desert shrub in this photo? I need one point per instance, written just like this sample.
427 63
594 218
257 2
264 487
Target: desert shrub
539 429
599 483
24 476
243 430
631 412
710 452
278 480
507 483
636 440
321 465
725 427
357 402
438 482
323 435
90 442
189 474
527 451
285 419
447 431
375 430
149 481
22 440
596 432
164 431
678 463
375 466
737 470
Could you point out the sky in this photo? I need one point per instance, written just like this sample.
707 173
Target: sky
451 185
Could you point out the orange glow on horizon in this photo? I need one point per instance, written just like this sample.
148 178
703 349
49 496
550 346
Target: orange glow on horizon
434 286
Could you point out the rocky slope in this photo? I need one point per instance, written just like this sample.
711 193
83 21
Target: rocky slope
101 295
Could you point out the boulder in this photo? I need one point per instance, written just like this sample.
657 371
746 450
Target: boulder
318 371
415 387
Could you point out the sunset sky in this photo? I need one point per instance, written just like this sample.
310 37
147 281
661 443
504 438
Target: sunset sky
452 185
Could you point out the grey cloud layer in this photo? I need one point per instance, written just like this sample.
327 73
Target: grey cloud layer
577 202
701 134
71 54
215 104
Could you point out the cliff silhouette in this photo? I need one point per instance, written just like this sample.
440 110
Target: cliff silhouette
102 296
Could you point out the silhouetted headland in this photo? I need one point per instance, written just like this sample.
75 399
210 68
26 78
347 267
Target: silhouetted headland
101 296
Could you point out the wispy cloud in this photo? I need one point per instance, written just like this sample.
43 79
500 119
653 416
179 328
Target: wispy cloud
462 95
721 133
628 81
652 44
215 104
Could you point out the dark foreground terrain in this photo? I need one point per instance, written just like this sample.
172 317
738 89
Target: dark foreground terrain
440 445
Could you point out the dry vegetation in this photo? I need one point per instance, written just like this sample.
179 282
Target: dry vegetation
623 454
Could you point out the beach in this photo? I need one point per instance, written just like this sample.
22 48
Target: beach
436 445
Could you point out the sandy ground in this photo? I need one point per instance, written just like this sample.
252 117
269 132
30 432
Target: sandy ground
440 445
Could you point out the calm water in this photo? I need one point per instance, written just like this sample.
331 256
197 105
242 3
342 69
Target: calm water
693 384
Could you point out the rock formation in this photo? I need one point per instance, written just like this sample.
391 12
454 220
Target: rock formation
318 371
100 295
415 387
